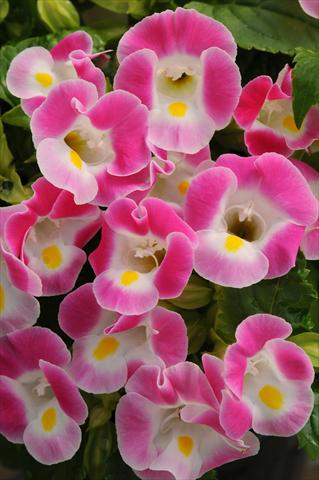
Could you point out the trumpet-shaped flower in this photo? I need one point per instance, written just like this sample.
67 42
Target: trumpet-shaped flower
146 253
83 145
40 404
18 309
176 430
35 71
181 65
310 241
250 215
108 347
48 236
269 378
265 113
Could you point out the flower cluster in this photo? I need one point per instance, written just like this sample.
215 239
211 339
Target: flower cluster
143 152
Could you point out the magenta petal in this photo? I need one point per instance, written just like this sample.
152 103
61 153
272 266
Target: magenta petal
235 364
79 312
21 351
214 371
138 418
176 268
291 360
235 416
74 41
253 332
13 413
221 86
65 391
251 101
262 139
136 75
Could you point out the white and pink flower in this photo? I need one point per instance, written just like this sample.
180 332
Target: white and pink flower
146 253
109 347
311 7
172 414
265 113
181 65
40 404
83 144
18 308
310 241
45 240
268 380
250 215
35 71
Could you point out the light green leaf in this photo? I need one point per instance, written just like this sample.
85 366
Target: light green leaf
305 83
267 25
16 117
11 188
117 6
309 342
196 294
308 437
140 8
292 297
58 14
4 9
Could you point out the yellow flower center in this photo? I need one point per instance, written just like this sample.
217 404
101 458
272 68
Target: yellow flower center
49 419
271 397
183 186
45 79
129 277
289 124
185 444
178 109
76 159
52 257
2 299
107 346
233 243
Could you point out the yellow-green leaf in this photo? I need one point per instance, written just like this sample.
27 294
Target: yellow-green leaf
58 14
309 342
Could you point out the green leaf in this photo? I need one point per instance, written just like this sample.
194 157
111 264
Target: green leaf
309 342
212 475
305 83
117 6
4 9
116 469
308 437
292 297
196 294
197 329
16 117
11 188
58 14
267 25
97 450
140 8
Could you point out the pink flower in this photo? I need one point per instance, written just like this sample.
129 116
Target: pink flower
18 309
265 113
146 253
172 415
250 215
109 347
311 7
83 145
35 71
47 237
181 65
310 241
40 404
268 378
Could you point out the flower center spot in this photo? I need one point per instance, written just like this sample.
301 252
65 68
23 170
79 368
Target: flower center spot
271 397
183 186
52 257
2 299
233 243
129 277
45 79
290 124
177 109
185 444
49 419
106 347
